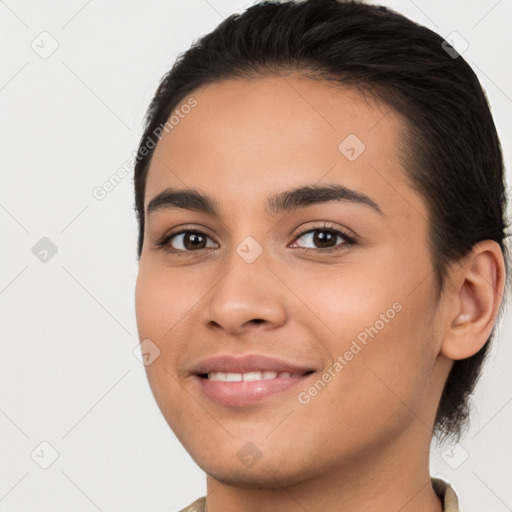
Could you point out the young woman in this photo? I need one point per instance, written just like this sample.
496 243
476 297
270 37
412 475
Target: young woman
320 196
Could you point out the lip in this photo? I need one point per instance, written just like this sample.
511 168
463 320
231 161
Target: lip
243 393
248 363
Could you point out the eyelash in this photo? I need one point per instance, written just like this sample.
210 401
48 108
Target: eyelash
164 241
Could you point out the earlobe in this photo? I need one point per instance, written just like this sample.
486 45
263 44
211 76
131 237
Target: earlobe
479 289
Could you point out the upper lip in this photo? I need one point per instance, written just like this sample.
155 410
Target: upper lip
247 363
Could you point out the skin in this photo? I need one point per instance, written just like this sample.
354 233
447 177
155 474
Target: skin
364 439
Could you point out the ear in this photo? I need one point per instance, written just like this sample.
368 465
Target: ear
477 295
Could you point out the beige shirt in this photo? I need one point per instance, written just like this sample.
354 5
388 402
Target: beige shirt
442 489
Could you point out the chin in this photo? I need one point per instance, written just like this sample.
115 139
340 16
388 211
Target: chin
267 473
251 479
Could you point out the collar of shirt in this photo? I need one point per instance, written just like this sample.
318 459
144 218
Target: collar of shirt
442 489
446 494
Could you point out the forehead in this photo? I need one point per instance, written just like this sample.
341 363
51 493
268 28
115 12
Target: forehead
247 138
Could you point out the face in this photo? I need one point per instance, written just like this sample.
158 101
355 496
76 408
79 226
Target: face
317 307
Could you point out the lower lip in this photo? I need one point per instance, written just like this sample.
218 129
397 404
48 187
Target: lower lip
242 392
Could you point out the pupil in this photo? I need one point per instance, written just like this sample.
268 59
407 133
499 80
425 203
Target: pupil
193 241
323 236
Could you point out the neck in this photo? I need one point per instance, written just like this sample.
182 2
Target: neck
396 477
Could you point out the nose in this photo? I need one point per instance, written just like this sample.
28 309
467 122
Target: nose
246 295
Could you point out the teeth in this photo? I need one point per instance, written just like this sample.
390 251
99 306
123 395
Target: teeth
250 376
218 376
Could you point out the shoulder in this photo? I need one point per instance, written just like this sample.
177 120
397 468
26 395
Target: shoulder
447 495
197 506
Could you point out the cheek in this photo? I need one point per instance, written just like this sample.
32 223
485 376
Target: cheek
343 302
388 364
377 330
146 307
162 300
376 389
163 304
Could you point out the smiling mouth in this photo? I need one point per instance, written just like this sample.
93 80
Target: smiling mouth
250 376
249 388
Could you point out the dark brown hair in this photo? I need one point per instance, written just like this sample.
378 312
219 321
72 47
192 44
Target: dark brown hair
451 151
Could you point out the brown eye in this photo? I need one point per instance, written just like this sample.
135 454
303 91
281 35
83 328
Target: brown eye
324 238
187 241
193 241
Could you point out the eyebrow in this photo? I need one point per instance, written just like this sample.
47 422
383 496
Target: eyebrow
301 197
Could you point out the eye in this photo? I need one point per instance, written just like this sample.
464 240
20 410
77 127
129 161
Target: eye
326 239
186 241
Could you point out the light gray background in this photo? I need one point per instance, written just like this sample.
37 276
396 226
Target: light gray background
68 373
